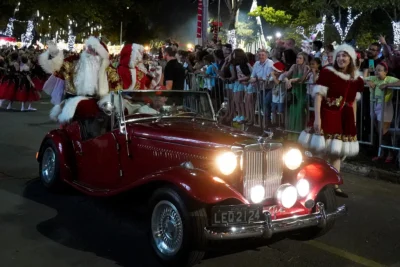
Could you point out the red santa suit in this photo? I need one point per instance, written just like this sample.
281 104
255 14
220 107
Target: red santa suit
339 92
131 74
82 83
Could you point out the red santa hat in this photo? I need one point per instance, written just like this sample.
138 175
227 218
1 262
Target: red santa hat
278 66
130 57
348 49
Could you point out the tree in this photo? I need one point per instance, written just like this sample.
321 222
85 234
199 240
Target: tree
272 16
390 7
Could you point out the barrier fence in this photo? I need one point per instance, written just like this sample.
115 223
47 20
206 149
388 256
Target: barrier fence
292 110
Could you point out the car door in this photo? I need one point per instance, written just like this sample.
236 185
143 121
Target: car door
98 162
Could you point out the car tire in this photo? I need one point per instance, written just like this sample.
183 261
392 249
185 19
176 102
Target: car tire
181 240
328 198
49 167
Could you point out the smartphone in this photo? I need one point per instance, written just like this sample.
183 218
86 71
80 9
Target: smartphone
371 65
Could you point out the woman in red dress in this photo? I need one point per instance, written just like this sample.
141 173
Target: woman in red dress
335 93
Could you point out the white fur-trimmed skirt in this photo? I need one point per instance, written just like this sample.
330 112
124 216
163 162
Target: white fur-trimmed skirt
335 145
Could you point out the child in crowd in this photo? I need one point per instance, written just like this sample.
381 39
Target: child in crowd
382 110
278 93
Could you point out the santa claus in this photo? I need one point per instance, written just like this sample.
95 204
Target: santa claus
77 82
131 74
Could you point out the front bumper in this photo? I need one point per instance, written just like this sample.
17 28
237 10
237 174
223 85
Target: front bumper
269 227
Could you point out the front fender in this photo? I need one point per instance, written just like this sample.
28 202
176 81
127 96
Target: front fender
320 174
66 155
198 184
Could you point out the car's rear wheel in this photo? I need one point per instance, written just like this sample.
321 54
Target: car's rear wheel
328 198
49 167
176 233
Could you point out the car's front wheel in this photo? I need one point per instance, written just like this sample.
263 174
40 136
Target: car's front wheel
49 167
176 233
327 197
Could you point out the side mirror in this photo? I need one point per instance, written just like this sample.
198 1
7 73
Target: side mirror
223 109
108 108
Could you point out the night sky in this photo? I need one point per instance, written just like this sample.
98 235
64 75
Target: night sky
182 17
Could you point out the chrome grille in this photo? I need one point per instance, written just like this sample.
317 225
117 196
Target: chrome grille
262 165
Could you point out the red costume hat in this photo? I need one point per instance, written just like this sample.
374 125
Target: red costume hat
278 66
348 49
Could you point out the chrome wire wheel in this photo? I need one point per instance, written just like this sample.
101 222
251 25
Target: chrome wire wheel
167 228
48 165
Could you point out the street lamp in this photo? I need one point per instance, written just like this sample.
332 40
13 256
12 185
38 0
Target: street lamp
120 37
189 46
278 35
269 37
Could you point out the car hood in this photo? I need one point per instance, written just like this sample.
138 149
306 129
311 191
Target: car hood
198 133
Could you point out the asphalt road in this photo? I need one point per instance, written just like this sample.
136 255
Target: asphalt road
42 229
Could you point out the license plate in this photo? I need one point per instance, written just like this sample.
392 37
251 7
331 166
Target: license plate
238 214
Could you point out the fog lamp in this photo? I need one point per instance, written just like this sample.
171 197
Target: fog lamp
257 193
287 195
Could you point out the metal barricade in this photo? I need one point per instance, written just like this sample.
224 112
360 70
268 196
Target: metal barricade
394 130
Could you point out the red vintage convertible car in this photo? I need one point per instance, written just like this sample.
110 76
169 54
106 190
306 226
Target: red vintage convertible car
204 181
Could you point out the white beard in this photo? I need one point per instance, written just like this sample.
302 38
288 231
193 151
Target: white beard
87 74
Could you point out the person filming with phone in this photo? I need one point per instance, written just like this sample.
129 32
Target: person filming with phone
368 66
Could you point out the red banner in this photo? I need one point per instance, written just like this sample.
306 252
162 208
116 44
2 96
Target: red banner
199 18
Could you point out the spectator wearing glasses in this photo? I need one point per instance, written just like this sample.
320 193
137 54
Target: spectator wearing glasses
369 65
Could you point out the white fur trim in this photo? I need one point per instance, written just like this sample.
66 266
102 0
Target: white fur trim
304 139
51 65
69 108
96 45
358 96
131 88
354 148
136 55
55 112
103 81
320 89
341 74
317 143
328 144
348 49
345 148
336 147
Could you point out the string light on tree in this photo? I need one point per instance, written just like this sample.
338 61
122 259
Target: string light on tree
28 36
232 38
396 32
350 21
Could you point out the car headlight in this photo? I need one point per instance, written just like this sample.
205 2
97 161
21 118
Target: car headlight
303 187
293 159
287 195
227 162
257 193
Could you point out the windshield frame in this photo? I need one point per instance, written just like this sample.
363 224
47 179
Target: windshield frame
160 116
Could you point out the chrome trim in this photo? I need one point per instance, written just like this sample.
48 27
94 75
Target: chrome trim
166 117
269 227
262 165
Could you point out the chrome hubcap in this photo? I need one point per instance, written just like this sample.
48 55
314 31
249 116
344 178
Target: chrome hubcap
167 228
48 165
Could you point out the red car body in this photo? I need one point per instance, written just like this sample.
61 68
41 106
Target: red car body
180 153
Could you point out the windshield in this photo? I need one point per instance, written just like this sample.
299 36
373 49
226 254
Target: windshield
169 103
